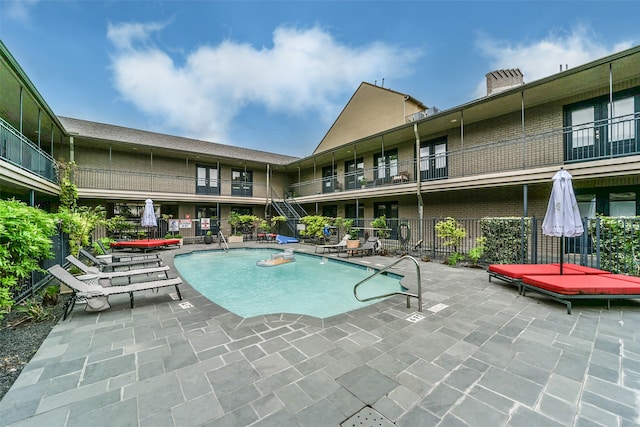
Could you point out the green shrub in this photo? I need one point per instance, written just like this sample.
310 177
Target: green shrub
25 240
34 310
619 241
381 227
314 224
507 239
476 252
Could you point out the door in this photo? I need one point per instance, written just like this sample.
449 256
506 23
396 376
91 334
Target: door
328 179
433 160
353 172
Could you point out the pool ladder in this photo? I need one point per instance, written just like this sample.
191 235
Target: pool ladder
408 294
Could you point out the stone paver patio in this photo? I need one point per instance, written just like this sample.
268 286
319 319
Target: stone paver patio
490 357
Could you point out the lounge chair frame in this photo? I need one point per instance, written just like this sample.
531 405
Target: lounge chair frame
368 248
566 299
120 256
338 247
83 290
103 264
91 272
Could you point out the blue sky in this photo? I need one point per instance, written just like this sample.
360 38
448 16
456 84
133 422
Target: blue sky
274 75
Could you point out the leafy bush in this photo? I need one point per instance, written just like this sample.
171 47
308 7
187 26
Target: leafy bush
476 252
25 240
34 310
505 239
314 224
381 227
619 241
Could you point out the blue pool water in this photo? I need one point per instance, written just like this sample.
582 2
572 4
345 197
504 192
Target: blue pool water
311 285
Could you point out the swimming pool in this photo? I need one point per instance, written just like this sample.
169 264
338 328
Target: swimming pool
312 285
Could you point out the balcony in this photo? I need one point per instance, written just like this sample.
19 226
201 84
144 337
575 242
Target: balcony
589 142
21 152
116 180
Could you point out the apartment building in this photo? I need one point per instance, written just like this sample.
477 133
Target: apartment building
386 153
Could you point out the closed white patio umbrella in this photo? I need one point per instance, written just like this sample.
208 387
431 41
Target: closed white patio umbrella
148 216
563 216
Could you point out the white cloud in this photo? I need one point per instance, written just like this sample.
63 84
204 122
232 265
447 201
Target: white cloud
305 70
543 58
19 9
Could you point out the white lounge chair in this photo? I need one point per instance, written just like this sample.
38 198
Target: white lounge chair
91 273
105 264
97 296
340 246
370 247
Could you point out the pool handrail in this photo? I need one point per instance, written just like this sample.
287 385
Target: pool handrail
408 294
223 241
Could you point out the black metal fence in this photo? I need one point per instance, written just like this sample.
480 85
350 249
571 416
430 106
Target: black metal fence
612 244
29 287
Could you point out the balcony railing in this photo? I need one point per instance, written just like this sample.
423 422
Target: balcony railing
595 141
115 180
18 150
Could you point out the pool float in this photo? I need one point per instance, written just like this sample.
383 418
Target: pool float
285 239
278 259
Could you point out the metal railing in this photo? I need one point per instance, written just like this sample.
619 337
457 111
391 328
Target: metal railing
109 179
18 150
592 141
409 295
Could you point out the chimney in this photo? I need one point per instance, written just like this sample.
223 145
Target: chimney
500 80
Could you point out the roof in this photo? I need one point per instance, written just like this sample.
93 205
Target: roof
107 132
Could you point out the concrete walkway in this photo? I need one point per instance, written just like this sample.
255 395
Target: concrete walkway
481 356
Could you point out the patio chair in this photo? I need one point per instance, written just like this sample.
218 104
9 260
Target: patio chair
110 254
104 264
91 272
97 296
341 245
370 247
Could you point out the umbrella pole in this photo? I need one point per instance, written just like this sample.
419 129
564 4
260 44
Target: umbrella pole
561 252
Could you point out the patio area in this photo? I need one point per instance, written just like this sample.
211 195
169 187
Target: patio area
479 354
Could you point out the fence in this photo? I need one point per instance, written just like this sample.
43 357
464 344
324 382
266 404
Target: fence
612 244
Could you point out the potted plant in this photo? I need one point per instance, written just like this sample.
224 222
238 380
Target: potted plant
208 238
363 181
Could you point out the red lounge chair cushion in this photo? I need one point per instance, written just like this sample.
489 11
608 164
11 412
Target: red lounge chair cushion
156 243
516 271
582 268
593 284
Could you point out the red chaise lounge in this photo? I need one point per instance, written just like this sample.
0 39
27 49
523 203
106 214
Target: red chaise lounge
564 288
513 273
145 245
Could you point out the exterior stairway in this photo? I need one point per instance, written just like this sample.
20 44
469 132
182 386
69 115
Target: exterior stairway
288 208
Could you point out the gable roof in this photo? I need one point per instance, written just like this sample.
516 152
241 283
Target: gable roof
371 109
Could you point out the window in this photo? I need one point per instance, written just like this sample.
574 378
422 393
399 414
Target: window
390 210
330 211
241 183
353 173
622 204
433 160
582 130
207 180
622 126
600 127
385 166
